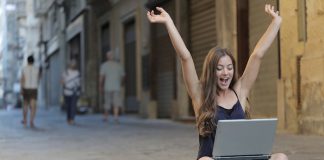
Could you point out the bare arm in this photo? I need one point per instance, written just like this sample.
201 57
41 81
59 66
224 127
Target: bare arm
63 79
22 83
188 67
101 83
252 68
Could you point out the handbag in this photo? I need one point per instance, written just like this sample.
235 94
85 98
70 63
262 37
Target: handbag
76 89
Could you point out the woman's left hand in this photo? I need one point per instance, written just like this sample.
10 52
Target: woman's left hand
271 11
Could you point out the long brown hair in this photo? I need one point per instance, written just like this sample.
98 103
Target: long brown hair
207 112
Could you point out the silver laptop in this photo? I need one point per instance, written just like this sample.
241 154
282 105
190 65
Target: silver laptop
244 139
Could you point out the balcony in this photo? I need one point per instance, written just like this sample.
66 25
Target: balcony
42 6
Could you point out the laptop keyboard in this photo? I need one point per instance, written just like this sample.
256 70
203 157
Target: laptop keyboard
254 157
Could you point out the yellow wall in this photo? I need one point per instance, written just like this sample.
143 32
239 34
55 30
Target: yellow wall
290 48
308 117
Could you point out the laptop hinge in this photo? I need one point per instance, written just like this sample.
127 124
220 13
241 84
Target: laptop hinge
244 157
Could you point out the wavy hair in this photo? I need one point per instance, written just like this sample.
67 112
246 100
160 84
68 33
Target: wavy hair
207 112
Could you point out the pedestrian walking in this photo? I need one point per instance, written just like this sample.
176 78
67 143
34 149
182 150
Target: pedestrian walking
111 79
218 94
71 90
29 83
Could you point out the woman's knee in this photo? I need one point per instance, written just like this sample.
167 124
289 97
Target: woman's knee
205 158
279 156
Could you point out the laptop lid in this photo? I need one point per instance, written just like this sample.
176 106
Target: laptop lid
244 137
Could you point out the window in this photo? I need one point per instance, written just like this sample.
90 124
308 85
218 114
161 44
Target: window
302 27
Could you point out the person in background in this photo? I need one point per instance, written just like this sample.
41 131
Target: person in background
29 83
71 90
111 79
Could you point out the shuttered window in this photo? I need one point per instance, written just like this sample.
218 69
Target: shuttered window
264 92
202 32
163 71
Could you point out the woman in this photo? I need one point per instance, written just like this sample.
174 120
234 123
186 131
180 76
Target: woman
217 94
71 85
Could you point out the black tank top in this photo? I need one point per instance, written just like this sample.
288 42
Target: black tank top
206 143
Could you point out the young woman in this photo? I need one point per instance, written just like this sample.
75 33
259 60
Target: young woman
218 94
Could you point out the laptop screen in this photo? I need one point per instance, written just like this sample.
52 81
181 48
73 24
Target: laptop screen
244 137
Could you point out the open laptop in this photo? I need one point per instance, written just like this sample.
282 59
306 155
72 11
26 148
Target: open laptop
244 139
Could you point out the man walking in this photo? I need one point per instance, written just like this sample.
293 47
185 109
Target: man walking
29 83
111 79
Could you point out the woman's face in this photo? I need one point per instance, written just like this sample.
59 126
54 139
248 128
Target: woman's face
224 72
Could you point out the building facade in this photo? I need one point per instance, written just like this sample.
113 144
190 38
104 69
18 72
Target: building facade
12 49
51 42
287 86
301 86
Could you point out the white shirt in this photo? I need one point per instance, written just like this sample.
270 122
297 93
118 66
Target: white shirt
71 80
113 73
31 77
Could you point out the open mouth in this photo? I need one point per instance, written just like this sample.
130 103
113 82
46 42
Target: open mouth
224 81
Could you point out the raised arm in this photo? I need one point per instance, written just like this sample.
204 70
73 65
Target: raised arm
188 67
252 68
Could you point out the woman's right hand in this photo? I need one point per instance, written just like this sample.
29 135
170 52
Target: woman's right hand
188 66
163 17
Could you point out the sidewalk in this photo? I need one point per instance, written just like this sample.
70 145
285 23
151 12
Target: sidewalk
134 138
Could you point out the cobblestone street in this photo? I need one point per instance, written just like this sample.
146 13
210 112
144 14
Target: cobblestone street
134 138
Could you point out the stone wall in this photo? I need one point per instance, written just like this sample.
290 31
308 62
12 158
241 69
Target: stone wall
302 67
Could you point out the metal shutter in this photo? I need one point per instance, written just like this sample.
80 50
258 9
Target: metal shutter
53 82
131 101
202 32
164 64
264 92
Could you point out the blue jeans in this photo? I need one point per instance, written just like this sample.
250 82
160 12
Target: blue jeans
70 103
